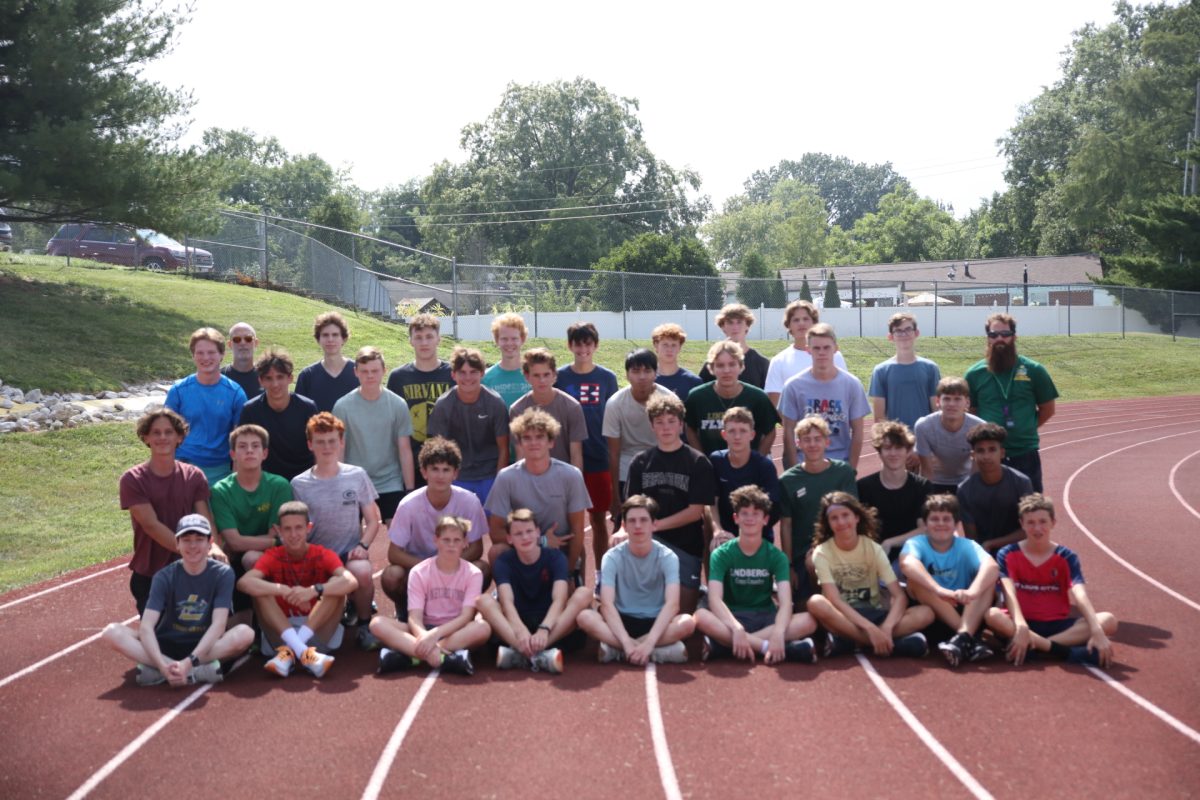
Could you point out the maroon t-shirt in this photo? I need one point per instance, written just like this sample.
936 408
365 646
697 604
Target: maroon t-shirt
172 498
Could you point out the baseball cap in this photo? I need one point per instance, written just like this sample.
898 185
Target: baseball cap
193 523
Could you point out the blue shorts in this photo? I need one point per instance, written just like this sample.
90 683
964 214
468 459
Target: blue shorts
479 488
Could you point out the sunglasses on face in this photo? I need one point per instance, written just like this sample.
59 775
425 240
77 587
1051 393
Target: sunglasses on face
1000 334
242 339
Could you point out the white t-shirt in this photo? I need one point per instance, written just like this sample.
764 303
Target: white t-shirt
790 362
626 419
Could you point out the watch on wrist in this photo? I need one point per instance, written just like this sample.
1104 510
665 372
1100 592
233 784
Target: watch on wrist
364 545
319 588
195 661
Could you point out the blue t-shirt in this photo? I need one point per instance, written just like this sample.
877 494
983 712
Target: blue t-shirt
682 382
592 390
758 471
640 582
905 388
532 584
954 569
211 413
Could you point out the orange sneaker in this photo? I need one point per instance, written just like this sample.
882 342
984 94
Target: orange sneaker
282 663
316 662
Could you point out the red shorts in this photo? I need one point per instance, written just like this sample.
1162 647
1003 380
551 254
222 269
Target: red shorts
599 487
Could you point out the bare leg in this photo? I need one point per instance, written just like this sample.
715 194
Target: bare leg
365 593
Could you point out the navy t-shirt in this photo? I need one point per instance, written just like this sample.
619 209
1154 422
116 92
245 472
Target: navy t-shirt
532 584
592 390
758 471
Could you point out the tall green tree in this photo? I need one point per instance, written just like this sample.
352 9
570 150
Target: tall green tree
906 228
833 298
82 134
805 291
849 189
788 229
692 279
759 285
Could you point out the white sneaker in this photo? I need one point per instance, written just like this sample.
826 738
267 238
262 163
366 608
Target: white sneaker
282 663
316 662
510 658
609 653
207 673
548 660
149 676
670 654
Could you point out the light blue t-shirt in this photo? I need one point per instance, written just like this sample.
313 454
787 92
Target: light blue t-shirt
211 412
510 384
905 388
954 569
640 582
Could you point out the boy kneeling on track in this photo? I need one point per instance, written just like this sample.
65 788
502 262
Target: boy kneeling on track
534 606
639 617
850 566
1041 580
953 576
742 618
299 591
182 635
442 625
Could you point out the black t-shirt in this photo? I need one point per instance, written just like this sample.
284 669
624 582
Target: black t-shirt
899 509
247 380
754 369
421 391
315 383
675 481
287 452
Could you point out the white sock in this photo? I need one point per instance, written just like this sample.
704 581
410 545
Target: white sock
291 637
766 645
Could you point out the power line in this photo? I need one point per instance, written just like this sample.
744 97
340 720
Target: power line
545 219
536 210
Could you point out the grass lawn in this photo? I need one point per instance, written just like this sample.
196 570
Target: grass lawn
90 328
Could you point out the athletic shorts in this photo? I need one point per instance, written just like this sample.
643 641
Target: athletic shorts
139 587
1049 627
637 626
599 489
177 651
689 567
754 621
480 488
387 502
573 641
875 616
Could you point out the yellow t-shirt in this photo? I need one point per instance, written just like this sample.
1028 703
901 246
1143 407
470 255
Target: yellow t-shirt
857 573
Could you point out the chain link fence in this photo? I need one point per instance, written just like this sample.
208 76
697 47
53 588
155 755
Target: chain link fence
328 263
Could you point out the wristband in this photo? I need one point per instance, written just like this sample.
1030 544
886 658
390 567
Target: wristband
545 628
319 588
195 661
364 545
542 540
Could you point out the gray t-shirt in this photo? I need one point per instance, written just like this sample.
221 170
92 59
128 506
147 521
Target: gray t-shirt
625 419
567 411
640 582
837 401
551 496
373 428
474 427
993 509
186 602
905 388
335 505
949 448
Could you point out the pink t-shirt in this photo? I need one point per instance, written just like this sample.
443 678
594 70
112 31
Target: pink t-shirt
442 597
415 518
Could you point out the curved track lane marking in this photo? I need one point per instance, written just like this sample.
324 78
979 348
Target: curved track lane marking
658 733
128 751
1191 733
958 770
1110 434
28 597
1175 490
388 756
65 651
1102 545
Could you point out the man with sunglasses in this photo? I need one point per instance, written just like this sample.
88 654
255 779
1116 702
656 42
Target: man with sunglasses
242 370
1014 392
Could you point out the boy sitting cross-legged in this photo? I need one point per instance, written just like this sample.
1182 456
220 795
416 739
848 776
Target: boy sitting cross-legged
850 566
300 591
534 606
953 576
1042 580
442 626
742 617
638 620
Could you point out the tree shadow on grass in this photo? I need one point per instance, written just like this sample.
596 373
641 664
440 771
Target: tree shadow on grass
74 338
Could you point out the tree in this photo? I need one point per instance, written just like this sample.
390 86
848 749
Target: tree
805 292
848 189
259 173
568 151
788 229
693 281
832 298
756 288
82 135
906 228
339 212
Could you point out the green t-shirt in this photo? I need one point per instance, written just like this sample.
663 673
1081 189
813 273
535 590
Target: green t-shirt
748 580
800 496
706 411
249 513
510 384
1011 399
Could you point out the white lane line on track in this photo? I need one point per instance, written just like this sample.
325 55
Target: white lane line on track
63 585
384 765
65 651
1191 733
658 733
951 763
1102 545
1110 434
130 749
1175 489
1176 419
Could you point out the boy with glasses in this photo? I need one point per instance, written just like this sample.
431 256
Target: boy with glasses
904 387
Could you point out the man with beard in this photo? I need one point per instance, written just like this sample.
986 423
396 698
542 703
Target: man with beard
1014 392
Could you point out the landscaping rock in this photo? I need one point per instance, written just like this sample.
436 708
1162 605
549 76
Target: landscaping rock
33 396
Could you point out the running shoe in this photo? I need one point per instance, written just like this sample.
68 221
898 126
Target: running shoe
149 676
207 673
912 646
282 663
458 662
956 649
367 640
393 661
510 658
316 662
1082 654
608 653
839 646
669 654
714 649
979 651
548 660
801 651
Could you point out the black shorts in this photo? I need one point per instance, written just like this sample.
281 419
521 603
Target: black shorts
637 627
387 503
755 621
139 587
573 641
176 651
1049 627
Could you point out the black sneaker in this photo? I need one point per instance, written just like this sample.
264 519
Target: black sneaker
1082 654
802 651
979 651
714 649
393 661
956 648
839 646
458 662
911 646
